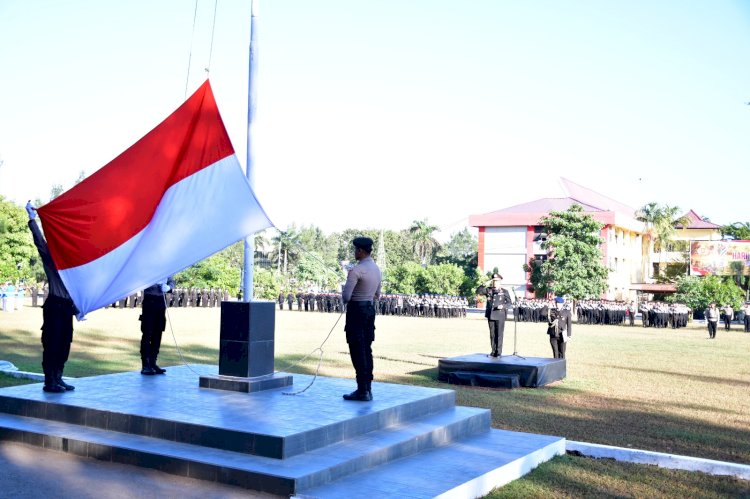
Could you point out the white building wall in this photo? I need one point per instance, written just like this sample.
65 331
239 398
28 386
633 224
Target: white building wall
505 248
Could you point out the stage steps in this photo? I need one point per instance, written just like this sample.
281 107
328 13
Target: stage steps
301 444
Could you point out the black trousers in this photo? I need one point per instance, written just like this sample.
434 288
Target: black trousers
57 332
712 328
747 323
727 322
497 329
153 322
558 347
360 333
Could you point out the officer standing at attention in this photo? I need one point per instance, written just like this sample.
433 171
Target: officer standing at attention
496 311
57 312
361 289
559 327
153 322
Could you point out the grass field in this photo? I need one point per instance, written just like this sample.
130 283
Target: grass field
664 390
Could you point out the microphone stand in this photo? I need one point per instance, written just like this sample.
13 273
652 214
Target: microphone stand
515 325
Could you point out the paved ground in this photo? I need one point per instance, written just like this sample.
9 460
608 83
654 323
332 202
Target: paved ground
34 473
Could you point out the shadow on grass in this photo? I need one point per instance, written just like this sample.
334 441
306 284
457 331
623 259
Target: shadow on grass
579 415
692 377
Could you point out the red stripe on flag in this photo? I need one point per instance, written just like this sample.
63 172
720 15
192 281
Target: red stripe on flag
118 201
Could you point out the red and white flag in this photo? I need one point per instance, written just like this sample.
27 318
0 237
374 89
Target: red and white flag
173 198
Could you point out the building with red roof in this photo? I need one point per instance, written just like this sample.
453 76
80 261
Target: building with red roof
511 237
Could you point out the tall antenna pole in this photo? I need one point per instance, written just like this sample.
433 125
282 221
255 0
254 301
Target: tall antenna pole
247 283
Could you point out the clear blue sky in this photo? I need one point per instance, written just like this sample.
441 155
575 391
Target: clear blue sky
374 114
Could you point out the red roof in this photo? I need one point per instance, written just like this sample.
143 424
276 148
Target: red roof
697 222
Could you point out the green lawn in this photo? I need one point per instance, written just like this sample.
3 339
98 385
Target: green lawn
664 390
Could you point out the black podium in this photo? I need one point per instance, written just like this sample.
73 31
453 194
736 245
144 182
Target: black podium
246 349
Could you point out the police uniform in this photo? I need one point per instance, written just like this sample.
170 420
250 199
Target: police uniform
153 323
57 313
559 329
362 288
496 312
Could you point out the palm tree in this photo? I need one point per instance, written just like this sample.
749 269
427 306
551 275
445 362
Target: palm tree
421 235
660 229
286 247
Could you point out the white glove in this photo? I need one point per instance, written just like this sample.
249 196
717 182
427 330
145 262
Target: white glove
165 288
31 211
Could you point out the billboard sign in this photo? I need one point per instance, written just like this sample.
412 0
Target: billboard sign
719 257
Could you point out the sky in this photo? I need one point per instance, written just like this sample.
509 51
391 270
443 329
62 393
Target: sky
373 114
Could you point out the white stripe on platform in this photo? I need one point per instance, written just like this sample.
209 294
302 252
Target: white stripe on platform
661 459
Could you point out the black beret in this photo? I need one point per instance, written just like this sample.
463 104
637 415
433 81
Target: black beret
364 243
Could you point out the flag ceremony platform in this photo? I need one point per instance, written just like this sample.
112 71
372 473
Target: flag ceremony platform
409 441
506 371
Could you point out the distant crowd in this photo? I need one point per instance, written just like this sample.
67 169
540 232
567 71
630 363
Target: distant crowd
610 313
427 305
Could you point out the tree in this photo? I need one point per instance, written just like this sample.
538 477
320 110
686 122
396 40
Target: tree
539 281
574 267
424 244
403 278
698 292
738 230
18 255
266 283
286 248
444 279
660 229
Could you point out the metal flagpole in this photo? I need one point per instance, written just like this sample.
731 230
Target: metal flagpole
247 282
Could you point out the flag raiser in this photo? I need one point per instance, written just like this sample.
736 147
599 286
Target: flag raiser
173 198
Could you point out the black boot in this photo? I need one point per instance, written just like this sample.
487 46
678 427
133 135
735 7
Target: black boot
361 394
157 369
50 384
59 379
146 367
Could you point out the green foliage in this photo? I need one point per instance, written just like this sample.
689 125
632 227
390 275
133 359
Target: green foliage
212 272
538 280
16 244
737 230
402 279
698 292
267 283
311 269
411 278
443 279
574 267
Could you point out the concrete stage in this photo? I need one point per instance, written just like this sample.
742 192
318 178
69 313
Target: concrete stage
409 441
506 371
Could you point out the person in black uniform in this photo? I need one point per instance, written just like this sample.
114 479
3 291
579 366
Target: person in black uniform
362 288
153 322
559 327
496 311
57 313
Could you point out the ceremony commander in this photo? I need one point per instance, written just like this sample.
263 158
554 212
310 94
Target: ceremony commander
496 311
361 289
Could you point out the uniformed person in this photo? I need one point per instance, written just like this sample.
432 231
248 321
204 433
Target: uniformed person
153 323
496 311
57 313
559 327
362 288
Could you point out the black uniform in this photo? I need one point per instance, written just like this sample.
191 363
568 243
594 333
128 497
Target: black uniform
153 322
57 326
496 312
559 328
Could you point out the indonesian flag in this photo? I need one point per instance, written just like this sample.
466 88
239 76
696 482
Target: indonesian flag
173 198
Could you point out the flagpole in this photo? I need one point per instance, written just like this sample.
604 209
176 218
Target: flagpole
247 284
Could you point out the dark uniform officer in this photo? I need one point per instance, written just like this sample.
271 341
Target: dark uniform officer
496 311
361 289
57 312
559 328
153 322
